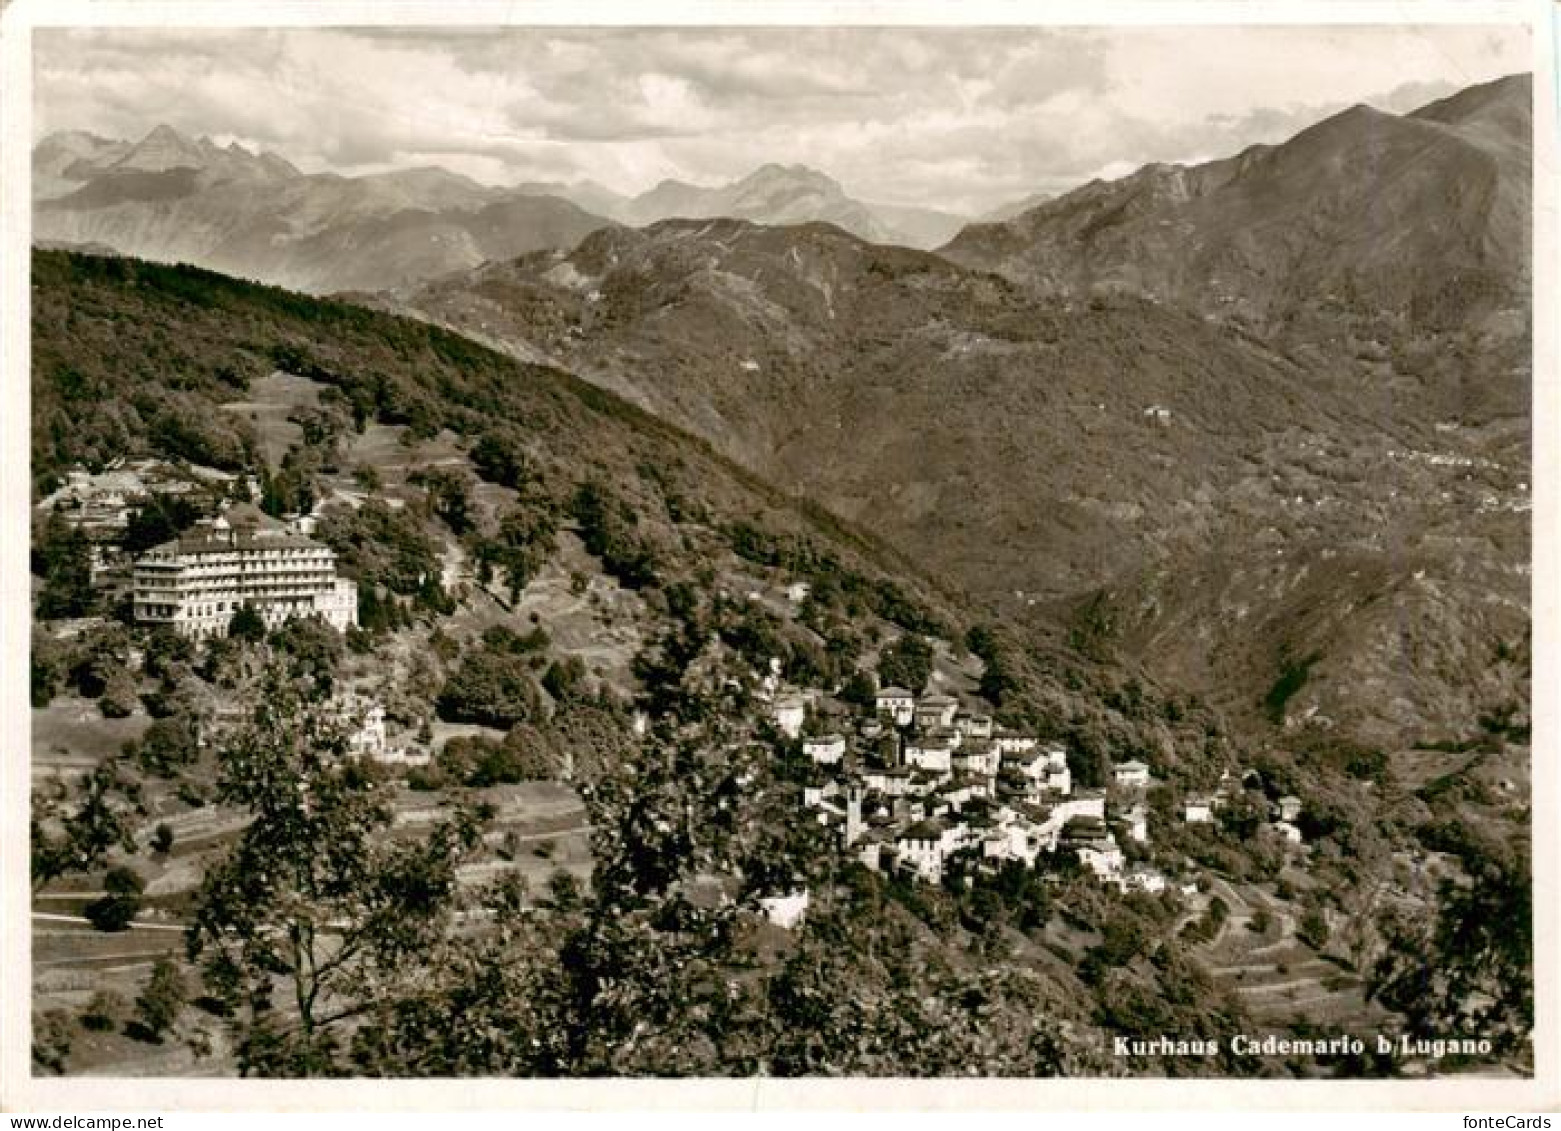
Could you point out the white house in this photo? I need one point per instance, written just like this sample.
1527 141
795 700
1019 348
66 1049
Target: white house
893 782
977 757
1198 811
366 739
897 703
1289 807
1059 778
1288 831
1137 820
926 844
788 715
825 749
1012 742
935 754
1144 878
973 726
814 795
1131 775
1031 765
785 910
922 847
1103 858
936 711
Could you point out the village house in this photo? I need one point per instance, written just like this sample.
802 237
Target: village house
1131 775
897 703
367 717
935 712
789 714
934 752
977 757
1143 878
1089 806
1289 807
786 910
891 781
815 794
1198 811
1096 848
973 726
1136 820
1059 777
1012 742
925 846
196 582
1013 840
1289 831
825 749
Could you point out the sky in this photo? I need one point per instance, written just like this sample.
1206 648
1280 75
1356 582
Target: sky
963 119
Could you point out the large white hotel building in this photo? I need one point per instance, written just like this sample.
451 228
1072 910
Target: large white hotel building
198 581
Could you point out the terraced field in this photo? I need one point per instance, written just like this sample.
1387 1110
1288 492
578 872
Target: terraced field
1276 975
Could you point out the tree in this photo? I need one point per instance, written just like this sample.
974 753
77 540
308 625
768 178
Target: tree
315 901
449 496
72 830
168 745
62 557
50 662
312 647
499 458
161 1000
491 688
162 838
163 518
1469 970
565 679
247 624
1312 929
116 909
165 651
906 663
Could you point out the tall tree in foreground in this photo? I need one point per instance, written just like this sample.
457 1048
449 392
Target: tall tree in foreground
317 915
1469 972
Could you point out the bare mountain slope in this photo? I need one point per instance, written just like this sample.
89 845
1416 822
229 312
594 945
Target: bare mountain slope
1420 217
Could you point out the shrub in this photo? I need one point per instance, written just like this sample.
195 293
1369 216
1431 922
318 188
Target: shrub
161 1001
115 910
105 1012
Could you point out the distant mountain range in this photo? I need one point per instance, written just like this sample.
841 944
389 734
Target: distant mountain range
172 198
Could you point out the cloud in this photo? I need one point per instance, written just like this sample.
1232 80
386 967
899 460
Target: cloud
961 118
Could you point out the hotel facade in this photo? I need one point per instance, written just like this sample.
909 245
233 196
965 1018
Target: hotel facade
196 583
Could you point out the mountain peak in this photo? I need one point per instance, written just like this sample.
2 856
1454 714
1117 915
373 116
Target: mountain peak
162 149
775 172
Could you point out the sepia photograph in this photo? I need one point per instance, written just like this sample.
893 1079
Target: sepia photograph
843 549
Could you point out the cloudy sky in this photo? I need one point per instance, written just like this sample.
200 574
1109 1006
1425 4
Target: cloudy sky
958 118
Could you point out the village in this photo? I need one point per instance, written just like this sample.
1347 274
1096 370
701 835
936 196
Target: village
920 782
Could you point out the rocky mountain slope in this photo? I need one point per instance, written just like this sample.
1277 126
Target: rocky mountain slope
1421 219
